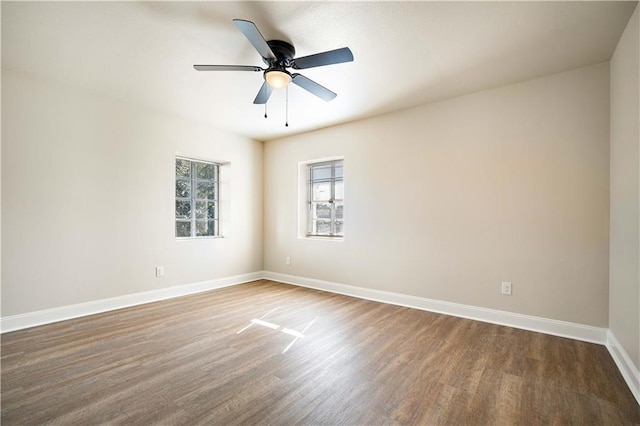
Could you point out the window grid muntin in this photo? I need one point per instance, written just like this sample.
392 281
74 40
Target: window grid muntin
193 199
313 220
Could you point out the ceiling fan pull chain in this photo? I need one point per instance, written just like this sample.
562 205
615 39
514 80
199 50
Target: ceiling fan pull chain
286 123
265 110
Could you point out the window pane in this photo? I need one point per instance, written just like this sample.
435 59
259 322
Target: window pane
321 227
339 190
183 188
206 190
321 211
183 229
183 209
205 171
183 168
339 211
205 210
339 170
205 228
339 228
321 172
201 209
322 191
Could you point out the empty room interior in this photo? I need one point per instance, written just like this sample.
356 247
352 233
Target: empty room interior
320 212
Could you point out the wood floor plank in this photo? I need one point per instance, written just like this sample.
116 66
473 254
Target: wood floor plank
200 359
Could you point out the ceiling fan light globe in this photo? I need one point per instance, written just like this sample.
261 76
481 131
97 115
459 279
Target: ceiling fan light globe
277 79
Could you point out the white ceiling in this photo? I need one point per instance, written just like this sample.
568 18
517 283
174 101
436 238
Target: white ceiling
406 53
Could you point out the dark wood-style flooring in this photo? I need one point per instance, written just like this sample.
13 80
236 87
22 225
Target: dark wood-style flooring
183 362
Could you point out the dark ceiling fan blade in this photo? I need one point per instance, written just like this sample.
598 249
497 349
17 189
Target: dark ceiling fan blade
252 34
263 94
331 57
227 68
313 87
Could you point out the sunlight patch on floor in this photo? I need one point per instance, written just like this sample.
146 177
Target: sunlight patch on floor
297 334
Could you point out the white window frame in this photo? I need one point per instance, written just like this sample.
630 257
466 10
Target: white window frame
193 199
334 202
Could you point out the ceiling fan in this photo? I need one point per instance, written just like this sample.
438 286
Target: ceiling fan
279 55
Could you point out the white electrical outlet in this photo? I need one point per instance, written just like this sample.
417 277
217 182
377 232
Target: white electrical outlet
159 271
506 288
287 260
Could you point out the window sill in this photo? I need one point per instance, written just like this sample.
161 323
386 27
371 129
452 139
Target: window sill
320 238
198 238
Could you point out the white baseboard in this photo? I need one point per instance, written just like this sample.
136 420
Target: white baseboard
629 371
32 319
542 325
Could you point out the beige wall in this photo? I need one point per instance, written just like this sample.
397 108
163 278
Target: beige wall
447 200
624 292
87 196
443 201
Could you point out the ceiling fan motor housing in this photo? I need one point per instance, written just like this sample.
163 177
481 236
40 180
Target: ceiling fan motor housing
285 52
